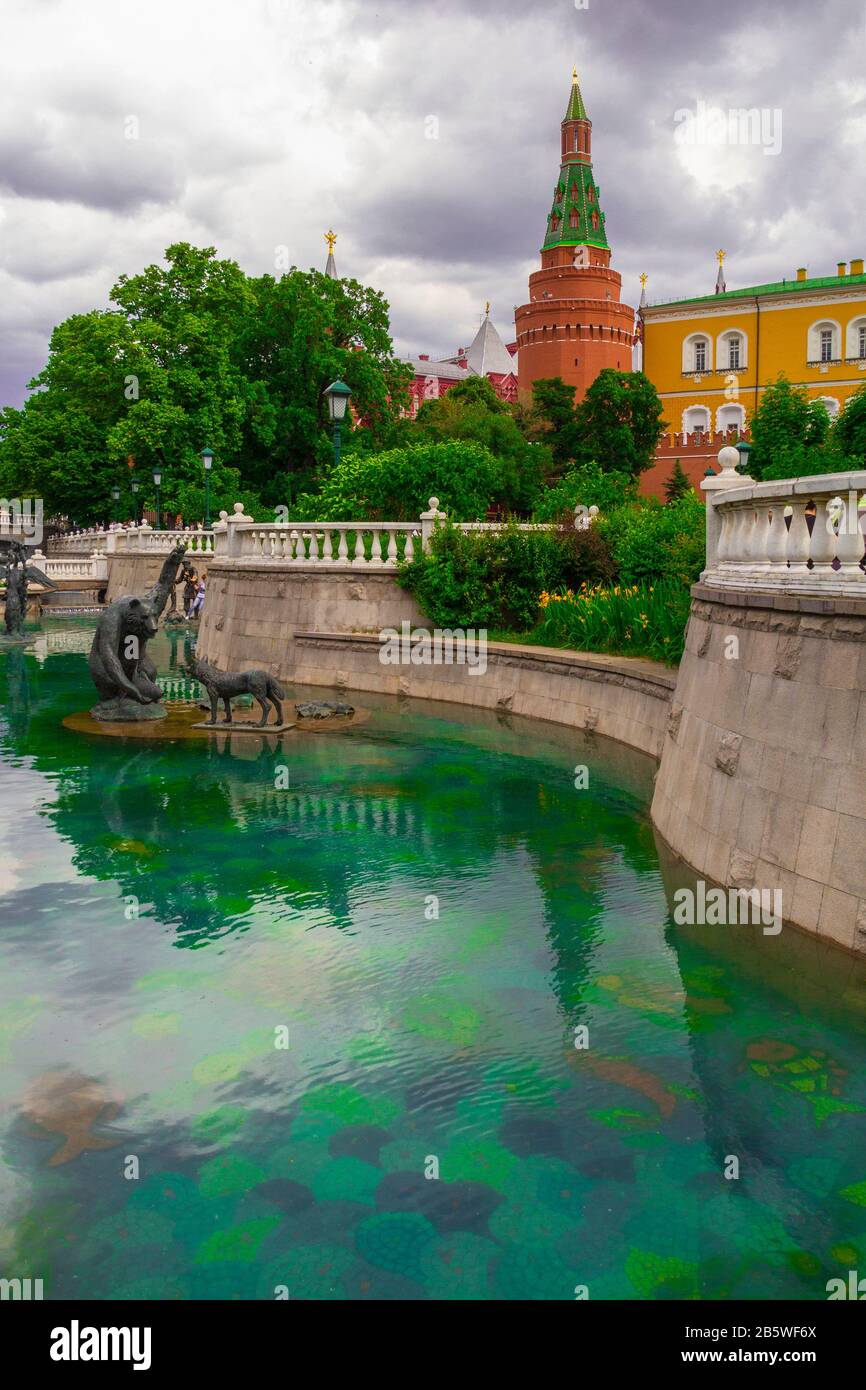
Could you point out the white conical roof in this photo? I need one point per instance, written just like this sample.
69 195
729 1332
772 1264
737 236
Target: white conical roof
488 353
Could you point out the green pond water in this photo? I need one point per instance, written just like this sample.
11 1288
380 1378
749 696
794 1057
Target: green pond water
173 914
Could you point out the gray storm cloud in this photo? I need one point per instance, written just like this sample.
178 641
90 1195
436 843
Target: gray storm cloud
427 136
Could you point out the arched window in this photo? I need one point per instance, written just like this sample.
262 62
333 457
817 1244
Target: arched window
697 353
696 420
855 339
574 219
824 342
730 416
590 194
831 404
731 350
554 224
594 220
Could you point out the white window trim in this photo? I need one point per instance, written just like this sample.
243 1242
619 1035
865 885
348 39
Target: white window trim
813 341
705 427
722 349
689 353
852 336
729 406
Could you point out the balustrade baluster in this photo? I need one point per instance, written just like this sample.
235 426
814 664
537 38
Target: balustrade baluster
376 548
409 548
849 545
777 539
360 557
798 538
327 548
314 546
822 548
392 548
343 549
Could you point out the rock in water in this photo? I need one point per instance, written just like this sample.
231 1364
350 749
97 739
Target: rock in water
324 709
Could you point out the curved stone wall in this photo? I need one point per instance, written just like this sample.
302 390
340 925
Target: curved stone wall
619 697
762 782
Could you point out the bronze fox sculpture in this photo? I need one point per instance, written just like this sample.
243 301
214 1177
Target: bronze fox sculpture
222 685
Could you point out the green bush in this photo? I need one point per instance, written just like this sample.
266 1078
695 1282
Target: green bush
493 579
649 541
397 485
588 485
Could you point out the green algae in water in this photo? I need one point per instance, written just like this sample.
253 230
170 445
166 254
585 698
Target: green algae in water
421 1051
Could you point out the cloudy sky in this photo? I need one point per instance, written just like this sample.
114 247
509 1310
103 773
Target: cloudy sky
427 136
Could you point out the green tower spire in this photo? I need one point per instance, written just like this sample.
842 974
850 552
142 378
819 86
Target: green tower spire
575 218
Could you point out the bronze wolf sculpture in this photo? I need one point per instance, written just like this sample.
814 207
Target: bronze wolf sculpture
222 685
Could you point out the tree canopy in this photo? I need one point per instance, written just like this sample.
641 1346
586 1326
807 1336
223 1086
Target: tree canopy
195 353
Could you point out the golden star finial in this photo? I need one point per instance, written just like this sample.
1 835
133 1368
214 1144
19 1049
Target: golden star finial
487 309
720 256
643 278
574 74
330 238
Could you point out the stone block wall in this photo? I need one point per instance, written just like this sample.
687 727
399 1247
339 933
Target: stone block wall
620 697
253 610
762 781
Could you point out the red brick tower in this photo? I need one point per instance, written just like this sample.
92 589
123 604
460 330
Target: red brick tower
574 324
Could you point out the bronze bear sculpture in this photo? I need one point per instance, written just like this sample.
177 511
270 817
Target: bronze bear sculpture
122 671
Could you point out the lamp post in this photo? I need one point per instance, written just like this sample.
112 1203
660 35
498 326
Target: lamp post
207 460
115 498
743 448
157 482
338 395
135 503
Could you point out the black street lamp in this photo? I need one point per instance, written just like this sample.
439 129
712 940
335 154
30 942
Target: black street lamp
157 482
207 460
338 395
135 502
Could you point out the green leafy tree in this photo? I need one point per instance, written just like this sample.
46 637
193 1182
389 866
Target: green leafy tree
553 409
849 431
677 484
196 353
620 422
397 485
587 486
790 434
472 411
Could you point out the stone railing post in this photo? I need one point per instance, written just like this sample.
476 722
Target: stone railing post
429 521
234 540
714 486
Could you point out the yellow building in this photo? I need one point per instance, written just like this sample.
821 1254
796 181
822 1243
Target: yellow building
710 357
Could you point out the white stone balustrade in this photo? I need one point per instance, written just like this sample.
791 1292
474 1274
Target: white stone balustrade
134 539
71 567
759 538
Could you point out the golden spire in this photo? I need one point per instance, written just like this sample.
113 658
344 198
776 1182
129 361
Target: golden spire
330 238
487 309
643 278
720 256
574 74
